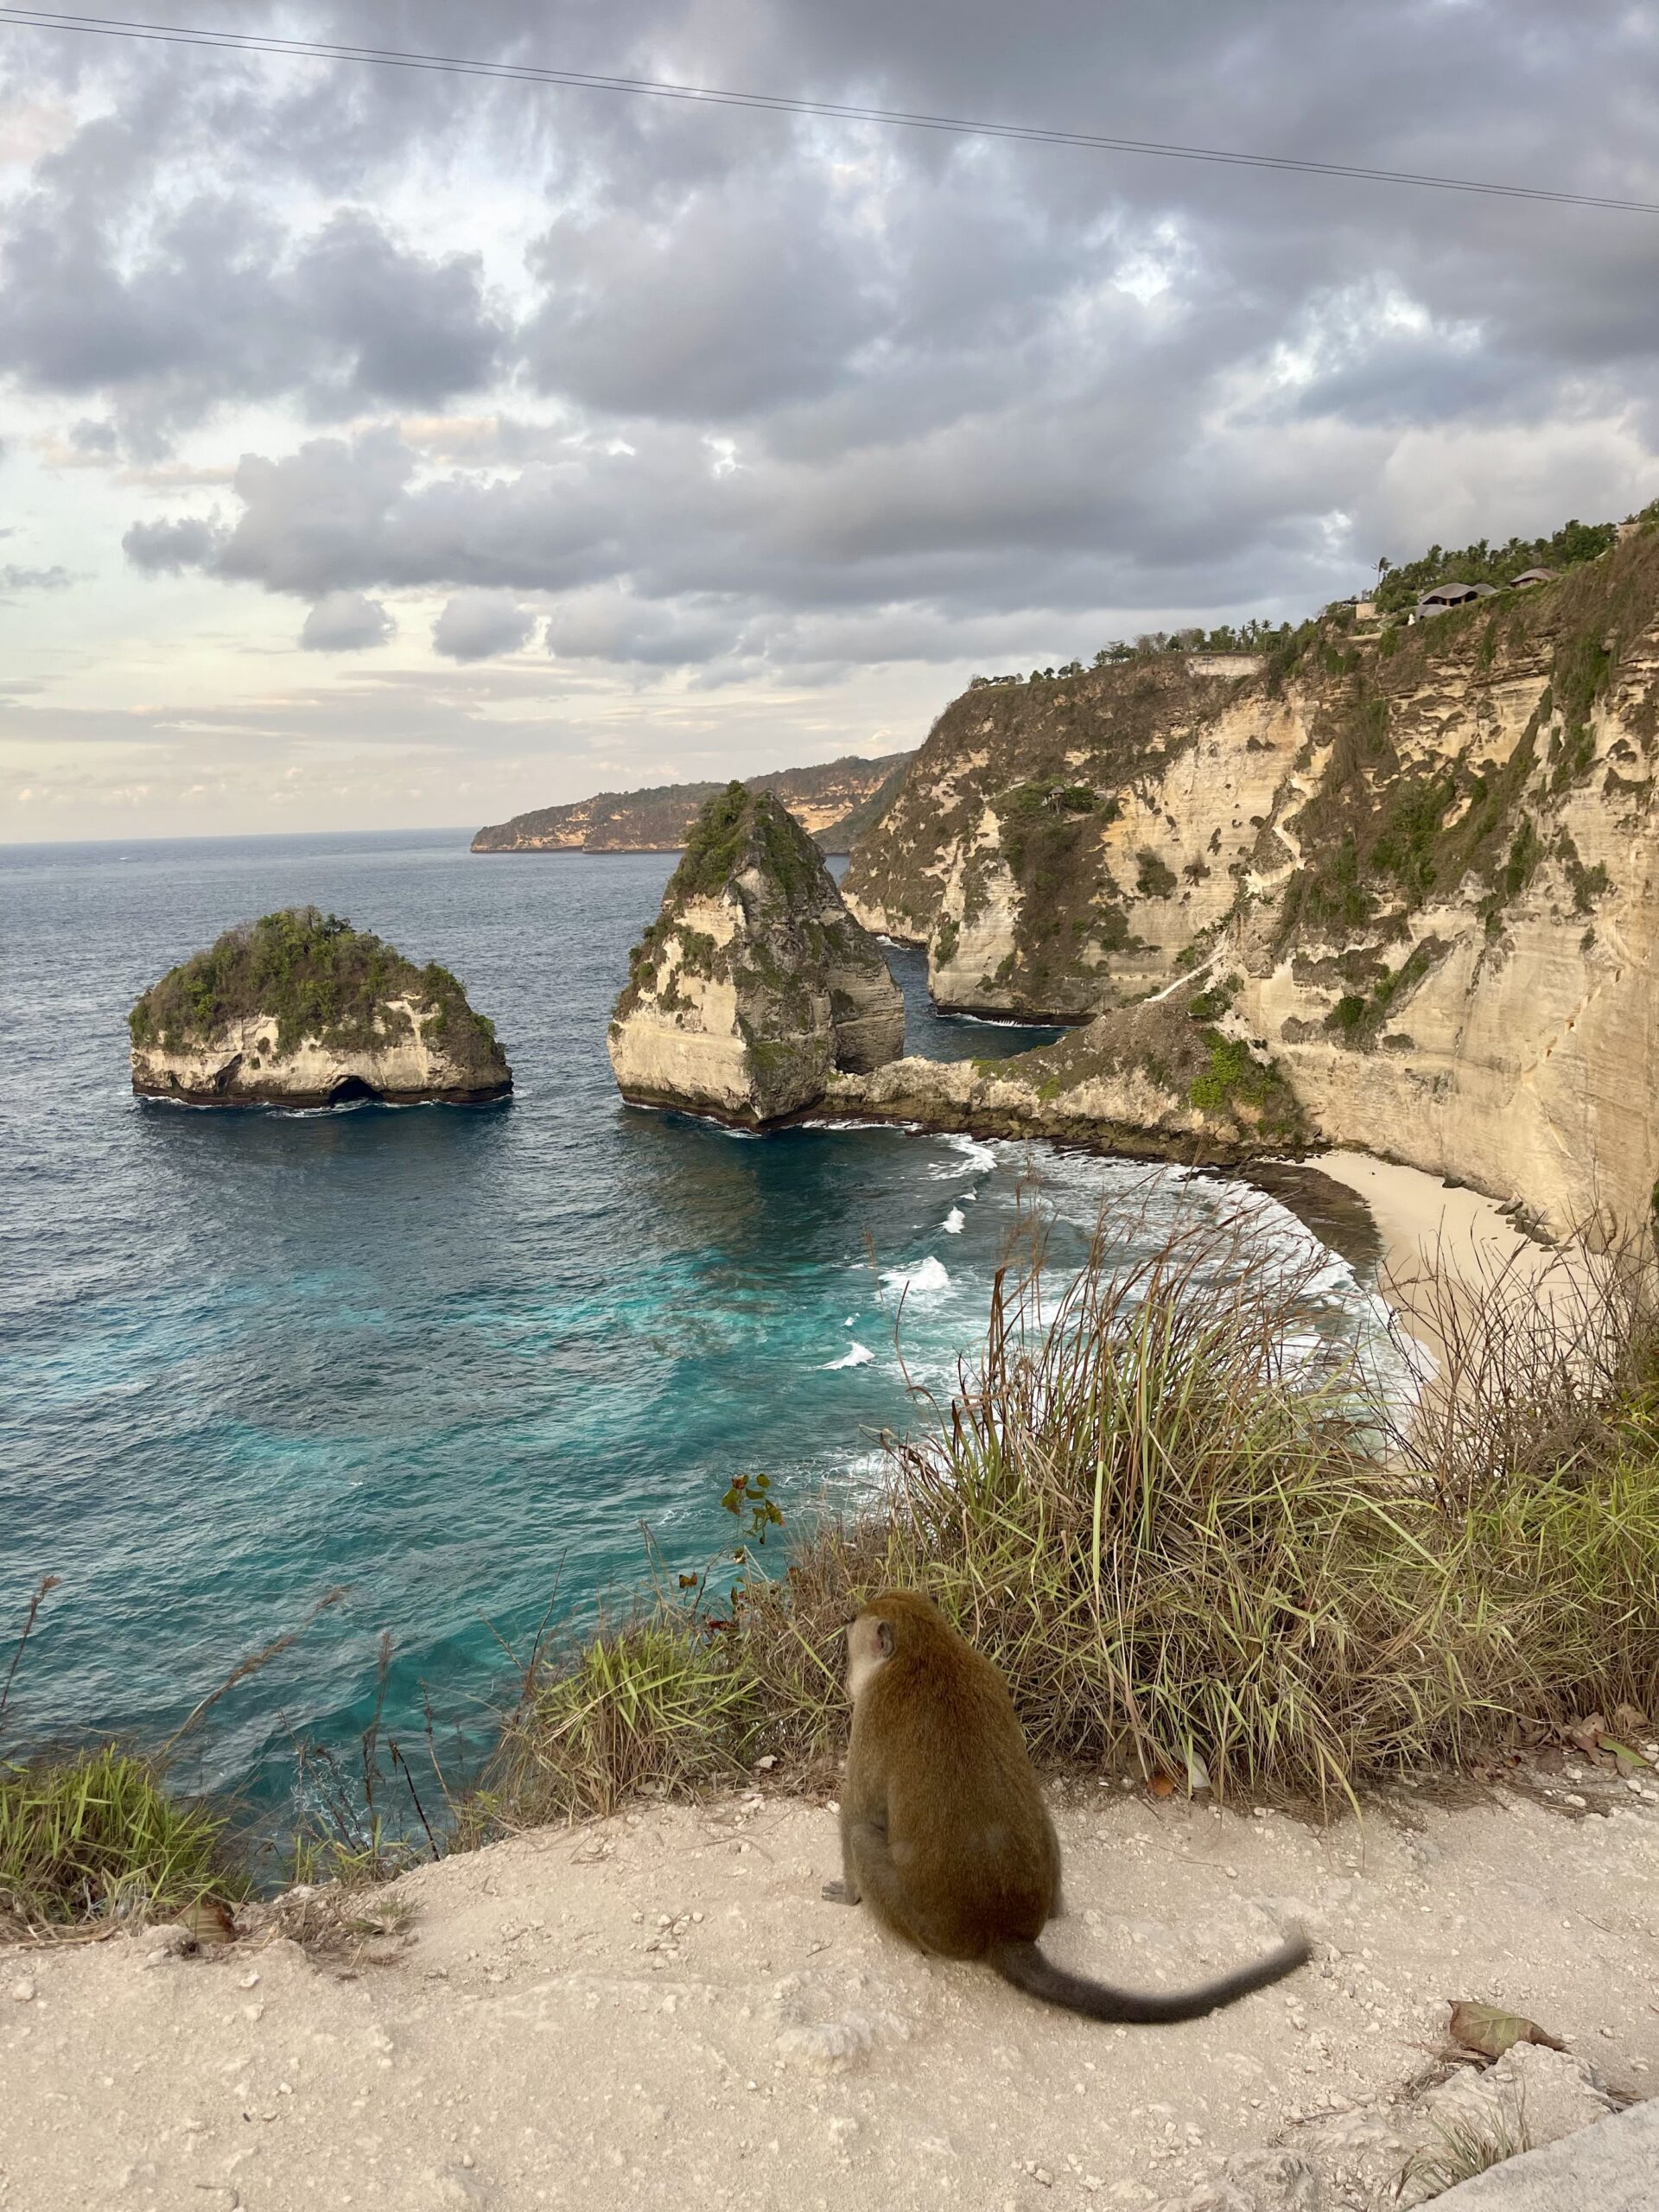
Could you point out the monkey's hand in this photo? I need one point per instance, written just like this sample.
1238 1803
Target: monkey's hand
840 1893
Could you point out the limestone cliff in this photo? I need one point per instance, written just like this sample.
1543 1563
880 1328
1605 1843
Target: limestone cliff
1421 866
301 1009
753 985
1056 844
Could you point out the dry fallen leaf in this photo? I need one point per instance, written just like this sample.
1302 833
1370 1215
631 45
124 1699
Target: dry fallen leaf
1490 2031
210 1921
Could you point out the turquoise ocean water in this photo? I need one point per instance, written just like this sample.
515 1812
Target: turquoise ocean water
450 1359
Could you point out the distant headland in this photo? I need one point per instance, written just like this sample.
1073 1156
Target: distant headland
834 803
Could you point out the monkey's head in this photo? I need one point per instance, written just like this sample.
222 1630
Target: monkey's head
893 1621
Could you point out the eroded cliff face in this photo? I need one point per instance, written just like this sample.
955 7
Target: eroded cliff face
1057 845
1423 871
755 985
241 1065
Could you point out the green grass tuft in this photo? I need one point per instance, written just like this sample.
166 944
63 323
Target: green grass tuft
99 1837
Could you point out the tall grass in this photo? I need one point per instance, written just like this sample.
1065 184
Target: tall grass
1197 1540
99 1838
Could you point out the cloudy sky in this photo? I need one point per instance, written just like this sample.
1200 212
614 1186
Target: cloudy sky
389 448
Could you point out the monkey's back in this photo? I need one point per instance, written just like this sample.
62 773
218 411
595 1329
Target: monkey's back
938 1755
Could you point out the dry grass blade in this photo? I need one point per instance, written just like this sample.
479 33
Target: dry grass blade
48 1583
254 1663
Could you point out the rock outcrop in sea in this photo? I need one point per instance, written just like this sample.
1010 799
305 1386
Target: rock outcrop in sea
301 1009
755 985
1178 1079
1417 867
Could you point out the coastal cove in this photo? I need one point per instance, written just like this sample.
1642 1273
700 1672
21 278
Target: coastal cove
450 1359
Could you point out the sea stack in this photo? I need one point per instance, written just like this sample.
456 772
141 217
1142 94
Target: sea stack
301 1009
755 986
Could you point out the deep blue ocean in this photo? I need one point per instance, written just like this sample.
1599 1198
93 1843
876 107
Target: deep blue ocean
455 1360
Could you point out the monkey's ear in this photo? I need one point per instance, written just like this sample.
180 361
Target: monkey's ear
884 1638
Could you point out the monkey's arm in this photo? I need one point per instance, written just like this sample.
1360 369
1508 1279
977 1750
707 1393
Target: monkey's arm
846 1891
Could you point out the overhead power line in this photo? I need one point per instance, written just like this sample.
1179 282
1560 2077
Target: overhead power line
117 26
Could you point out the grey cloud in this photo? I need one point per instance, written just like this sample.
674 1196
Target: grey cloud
170 548
477 625
217 304
824 391
13 578
95 438
610 624
743 295
402 328
345 622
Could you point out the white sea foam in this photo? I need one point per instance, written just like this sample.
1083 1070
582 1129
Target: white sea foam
847 1121
976 1158
926 1279
954 1222
856 1355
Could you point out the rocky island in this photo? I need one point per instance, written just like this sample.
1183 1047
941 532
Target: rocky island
301 1009
755 985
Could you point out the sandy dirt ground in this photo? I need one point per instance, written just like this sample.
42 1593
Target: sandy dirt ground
1425 1223
661 2010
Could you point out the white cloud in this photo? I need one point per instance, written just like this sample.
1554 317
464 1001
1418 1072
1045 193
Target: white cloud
345 622
478 625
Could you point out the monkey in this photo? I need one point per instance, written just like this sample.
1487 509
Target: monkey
944 1831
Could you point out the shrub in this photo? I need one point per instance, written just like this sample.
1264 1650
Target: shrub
1155 878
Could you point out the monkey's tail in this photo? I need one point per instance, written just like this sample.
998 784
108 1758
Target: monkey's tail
1026 1968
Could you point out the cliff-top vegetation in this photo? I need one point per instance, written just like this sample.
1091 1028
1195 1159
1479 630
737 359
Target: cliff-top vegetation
316 978
1399 587
1192 1553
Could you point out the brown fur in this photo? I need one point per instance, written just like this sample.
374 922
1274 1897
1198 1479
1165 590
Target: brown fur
944 1831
